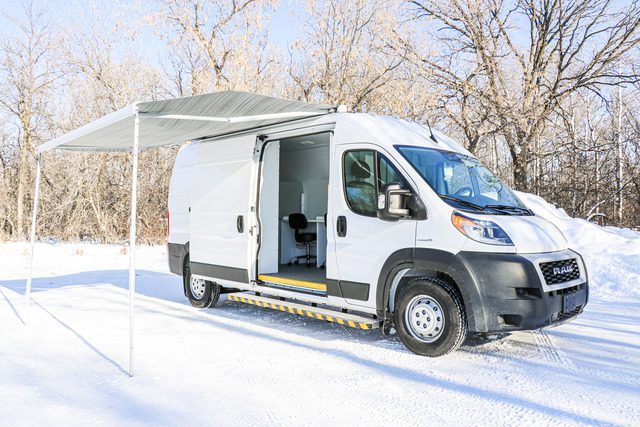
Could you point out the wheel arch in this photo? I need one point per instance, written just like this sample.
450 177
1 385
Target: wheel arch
407 264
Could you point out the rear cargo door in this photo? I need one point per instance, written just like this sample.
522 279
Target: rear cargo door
221 218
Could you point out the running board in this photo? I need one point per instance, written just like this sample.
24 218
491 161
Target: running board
346 319
315 288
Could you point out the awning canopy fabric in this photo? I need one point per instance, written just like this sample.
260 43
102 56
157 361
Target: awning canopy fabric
183 119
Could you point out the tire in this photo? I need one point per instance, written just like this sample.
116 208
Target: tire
200 293
416 318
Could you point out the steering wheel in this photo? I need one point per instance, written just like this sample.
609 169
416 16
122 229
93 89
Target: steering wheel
464 192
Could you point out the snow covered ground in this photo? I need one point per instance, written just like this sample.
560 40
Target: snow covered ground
64 361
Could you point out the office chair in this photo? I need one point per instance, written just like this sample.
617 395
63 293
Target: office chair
298 222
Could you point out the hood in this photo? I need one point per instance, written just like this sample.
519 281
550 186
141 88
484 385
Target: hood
532 234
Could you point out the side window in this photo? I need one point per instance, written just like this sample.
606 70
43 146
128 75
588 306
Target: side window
359 180
365 172
387 173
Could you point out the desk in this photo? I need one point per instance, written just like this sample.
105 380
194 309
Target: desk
288 247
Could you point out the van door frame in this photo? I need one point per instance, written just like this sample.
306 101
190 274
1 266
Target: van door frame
261 142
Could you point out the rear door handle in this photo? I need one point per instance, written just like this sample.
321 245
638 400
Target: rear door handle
240 223
341 226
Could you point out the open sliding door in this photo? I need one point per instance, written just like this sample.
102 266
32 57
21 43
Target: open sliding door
221 217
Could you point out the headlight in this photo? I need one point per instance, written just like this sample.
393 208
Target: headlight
481 231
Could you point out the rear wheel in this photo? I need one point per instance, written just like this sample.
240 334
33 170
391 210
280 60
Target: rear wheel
430 317
201 293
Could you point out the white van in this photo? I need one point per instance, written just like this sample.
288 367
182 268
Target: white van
368 222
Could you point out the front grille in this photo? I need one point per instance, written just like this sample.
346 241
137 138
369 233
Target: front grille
564 291
555 272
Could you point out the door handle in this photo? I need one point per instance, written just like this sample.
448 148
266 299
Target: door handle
341 226
240 223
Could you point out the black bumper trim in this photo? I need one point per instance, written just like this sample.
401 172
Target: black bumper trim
232 274
177 253
506 293
350 290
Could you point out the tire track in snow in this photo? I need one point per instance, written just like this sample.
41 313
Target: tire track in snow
550 352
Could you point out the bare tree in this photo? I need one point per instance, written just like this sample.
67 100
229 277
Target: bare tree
345 56
530 55
216 45
27 73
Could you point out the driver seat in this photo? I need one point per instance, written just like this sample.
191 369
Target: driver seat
361 192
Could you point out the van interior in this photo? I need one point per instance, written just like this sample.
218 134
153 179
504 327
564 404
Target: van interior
292 210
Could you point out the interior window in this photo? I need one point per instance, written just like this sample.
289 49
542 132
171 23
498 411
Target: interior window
457 179
489 185
365 172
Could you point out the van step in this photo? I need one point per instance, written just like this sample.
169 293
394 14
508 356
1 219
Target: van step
298 285
346 319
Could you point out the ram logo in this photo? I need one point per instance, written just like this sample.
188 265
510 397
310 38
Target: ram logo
563 270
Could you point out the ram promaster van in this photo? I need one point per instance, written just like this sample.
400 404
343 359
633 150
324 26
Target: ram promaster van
369 222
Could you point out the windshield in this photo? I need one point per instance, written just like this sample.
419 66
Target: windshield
463 181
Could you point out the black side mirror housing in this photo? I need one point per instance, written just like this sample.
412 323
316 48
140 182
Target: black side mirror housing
393 202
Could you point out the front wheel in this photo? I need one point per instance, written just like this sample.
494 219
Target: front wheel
201 293
430 317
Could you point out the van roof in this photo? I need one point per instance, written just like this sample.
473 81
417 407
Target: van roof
387 130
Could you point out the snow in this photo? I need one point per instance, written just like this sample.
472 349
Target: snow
64 361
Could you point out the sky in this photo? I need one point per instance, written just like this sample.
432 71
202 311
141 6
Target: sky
282 32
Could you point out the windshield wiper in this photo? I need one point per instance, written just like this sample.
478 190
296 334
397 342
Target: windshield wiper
462 202
509 208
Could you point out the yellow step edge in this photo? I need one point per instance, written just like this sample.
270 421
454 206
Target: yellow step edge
328 318
293 282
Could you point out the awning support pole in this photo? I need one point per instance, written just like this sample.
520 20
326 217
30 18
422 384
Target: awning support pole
32 237
132 236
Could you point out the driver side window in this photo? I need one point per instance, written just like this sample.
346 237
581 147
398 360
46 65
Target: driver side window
364 173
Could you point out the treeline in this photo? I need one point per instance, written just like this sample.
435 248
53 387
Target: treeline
545 93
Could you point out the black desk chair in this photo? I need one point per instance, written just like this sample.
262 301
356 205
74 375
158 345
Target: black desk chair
298 222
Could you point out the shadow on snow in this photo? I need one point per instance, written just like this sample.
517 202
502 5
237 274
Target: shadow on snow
164 288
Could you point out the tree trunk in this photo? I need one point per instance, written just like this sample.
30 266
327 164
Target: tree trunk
520 173
519 158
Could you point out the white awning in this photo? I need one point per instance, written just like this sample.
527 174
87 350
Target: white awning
153 124
183 119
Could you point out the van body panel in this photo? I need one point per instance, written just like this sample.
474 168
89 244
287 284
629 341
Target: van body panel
220 203
532 234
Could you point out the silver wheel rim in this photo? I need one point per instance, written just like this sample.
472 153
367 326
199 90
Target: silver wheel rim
424 318
198 286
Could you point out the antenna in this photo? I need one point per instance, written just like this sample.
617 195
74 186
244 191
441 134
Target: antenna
433 137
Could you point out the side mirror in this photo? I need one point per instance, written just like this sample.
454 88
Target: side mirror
393 202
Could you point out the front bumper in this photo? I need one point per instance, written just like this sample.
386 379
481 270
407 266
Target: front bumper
511 293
